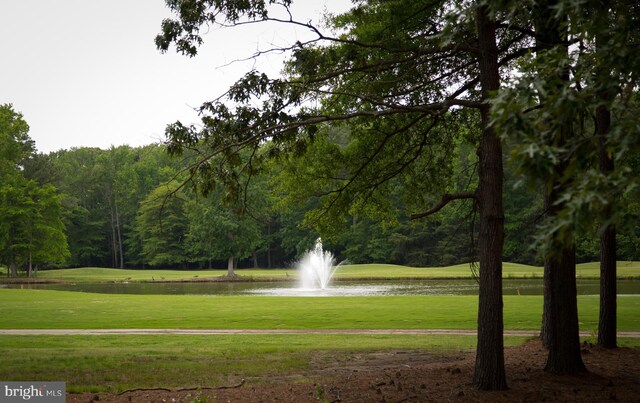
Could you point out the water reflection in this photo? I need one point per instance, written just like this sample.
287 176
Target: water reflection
338 288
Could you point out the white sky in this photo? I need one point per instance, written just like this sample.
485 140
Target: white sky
87 73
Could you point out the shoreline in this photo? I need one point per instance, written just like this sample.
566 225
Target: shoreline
242 279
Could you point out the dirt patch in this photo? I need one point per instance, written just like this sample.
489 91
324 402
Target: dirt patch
420 376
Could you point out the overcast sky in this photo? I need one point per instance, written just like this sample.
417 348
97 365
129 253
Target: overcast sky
87 73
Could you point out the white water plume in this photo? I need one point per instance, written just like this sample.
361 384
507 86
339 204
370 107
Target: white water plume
316 268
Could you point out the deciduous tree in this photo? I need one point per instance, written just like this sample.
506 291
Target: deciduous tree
162 226
393 71
31 228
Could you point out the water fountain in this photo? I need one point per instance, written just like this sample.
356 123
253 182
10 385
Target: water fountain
316 268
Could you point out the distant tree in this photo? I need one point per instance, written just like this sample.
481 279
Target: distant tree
40 168
15 207
102 193
217 232
162 226
16 147
46 240
31 228
85 212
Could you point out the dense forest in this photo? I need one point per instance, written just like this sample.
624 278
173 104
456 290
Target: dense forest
134 207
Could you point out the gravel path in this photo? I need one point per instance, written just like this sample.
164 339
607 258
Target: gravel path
102 332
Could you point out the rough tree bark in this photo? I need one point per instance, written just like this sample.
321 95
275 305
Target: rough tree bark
560 330
489 367
608 266
607 323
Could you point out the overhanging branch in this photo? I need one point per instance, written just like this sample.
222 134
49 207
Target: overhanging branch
446 198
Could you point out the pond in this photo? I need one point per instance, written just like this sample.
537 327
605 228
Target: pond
338 288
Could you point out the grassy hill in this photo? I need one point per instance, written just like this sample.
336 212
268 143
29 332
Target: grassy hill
361 271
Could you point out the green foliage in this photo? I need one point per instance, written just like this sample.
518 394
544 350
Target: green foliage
83 213
15 144
103 190
185 32
547 114
275 205
377 126
47 241
216 232
162 226
31 228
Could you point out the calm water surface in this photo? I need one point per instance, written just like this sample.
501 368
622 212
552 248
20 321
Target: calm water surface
338 288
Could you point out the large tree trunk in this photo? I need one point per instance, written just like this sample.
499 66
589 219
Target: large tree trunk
489 367
560 311
230 272
560 328
607 323
608 266
562 315
13 270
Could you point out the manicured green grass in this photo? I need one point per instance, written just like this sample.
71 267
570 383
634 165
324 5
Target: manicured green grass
368 271
34 309
99 274
115 363
457 271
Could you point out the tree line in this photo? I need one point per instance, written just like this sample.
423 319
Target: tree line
119 207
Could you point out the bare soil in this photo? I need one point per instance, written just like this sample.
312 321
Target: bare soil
419 376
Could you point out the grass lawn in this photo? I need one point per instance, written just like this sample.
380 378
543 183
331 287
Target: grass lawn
366 271
43 309
119 362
